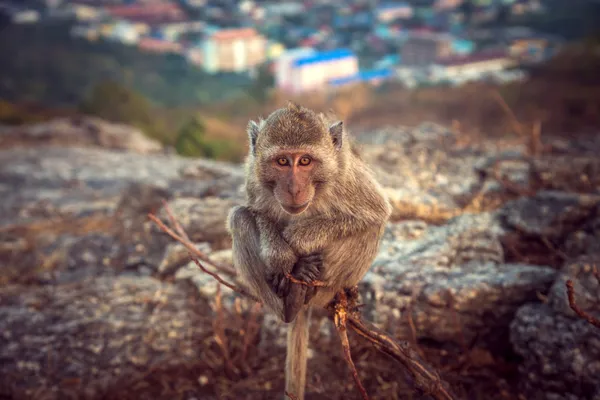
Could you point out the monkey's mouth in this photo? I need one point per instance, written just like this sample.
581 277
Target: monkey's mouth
295 209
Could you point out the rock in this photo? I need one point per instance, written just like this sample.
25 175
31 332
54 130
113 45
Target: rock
39 183
560 351
585 239
86 131
176 256
569 173
549 214
452 280
407 204
204 219
85 338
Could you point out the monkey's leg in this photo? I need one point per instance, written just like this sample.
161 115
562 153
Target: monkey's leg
308 268
247 260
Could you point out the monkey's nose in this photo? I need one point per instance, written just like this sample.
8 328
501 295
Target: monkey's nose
295 191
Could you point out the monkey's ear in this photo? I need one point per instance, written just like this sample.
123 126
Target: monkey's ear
252 129
336 131
293 106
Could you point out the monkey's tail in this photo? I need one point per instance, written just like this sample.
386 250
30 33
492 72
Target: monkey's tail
295 363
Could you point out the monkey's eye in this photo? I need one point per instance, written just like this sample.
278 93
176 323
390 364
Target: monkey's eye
305 161
282 161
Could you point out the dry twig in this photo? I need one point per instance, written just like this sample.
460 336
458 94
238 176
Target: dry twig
340 308
219 329
194 253
571 295
314 283
425 377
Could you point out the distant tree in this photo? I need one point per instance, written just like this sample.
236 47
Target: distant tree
261 85
115 102
192 142
190 139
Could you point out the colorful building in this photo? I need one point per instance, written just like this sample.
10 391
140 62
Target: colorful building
472 67
315 71
234 50
424 48
374 77
391 12
283 66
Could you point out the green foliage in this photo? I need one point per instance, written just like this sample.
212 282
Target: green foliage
192 142
263 82
43 63
114 102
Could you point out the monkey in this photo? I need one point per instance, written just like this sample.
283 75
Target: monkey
314 211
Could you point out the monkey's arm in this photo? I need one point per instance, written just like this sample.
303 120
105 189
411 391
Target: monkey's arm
274 250
314 234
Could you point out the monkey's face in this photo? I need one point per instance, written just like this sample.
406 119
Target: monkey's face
293 179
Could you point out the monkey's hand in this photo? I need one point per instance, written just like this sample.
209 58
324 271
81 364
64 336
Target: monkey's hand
279 283
308 269
279 264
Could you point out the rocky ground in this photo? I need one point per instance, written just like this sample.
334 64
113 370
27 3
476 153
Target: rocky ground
96 302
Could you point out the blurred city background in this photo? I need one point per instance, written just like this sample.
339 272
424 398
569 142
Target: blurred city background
162 65
480 119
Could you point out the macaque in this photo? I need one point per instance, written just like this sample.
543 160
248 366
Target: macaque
314 212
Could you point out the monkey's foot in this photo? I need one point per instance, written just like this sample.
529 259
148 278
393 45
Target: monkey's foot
308 269
352 293
293 302
279 283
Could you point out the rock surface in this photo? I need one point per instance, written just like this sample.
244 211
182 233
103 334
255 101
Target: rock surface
452 281
94 299
560 351
97 333
86 131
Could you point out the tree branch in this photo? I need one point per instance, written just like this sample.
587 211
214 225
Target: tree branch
571 295
345 314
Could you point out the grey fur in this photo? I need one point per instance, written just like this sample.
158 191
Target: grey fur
344 222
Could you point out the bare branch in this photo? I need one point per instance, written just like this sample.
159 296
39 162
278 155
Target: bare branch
571 295
340 317
425 377
219 331
291 395
314 283
517 126
194 252
251 330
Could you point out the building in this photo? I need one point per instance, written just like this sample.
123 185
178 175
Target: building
162 11
458 69
159 46
424 48
283 66
280 9
172 30
447 4
374 77
233 50
194 56
314 71
125 32
391 12
25 16
90 32
275 50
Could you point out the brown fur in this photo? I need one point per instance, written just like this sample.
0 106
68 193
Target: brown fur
345 219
